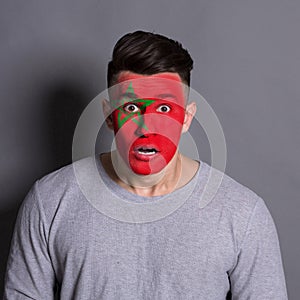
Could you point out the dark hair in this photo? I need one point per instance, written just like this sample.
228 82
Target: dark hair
149 53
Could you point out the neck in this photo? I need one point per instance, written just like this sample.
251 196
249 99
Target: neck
151 185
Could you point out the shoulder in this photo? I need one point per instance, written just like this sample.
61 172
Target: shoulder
64 178
58 188
234 205
236 194
228 192
58 180
242 204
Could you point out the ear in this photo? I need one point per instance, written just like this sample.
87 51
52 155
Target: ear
190 112
106 107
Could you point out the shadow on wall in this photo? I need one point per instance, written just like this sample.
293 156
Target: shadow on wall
59 106
65 103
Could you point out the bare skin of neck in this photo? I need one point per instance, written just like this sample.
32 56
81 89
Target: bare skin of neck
175 175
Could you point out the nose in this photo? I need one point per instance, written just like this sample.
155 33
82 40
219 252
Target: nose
146 124
142 129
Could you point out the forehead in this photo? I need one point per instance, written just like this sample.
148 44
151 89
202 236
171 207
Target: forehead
160 86
127 75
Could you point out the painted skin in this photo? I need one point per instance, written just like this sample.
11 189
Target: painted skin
148 118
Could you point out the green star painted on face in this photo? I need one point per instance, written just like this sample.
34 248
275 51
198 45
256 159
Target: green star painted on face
136 117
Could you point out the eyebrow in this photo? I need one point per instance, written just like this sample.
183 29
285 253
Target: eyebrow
129 95
166 96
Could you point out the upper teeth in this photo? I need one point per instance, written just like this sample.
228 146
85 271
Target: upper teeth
147 151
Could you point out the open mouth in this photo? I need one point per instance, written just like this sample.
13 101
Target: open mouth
146 151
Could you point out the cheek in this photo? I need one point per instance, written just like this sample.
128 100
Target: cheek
170 131
171 126
121 118
124 131
117 115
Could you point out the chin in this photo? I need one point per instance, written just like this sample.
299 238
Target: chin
148 167
142 169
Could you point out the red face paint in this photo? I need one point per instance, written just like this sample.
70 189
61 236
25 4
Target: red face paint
148 118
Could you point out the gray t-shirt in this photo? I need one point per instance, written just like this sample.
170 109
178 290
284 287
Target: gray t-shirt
61 241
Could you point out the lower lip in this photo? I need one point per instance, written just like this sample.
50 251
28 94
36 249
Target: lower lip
144 157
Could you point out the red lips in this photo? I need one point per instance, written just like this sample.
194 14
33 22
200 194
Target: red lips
144 151
160 151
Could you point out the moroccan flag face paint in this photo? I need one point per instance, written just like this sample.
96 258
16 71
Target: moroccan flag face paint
148 113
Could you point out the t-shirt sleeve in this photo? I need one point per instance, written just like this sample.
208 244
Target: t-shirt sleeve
29 273
258 273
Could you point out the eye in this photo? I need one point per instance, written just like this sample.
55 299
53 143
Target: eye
163 108
131 108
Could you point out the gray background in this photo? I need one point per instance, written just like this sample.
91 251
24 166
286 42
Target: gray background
247 60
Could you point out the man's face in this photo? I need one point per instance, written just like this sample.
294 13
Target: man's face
148 113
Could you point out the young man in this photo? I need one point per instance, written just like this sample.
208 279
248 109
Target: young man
64 244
